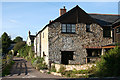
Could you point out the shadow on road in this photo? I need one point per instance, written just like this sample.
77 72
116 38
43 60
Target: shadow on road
19 67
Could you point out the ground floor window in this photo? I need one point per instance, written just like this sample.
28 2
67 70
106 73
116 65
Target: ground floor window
92 55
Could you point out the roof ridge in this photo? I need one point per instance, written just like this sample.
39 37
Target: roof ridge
104 14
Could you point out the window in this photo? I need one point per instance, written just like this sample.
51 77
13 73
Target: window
68 28
87 28
118 30
106 33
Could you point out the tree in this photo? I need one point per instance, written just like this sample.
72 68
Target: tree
6 41
18 39
18 46
110 64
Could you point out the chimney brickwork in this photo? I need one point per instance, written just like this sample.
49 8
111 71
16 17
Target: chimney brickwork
62 11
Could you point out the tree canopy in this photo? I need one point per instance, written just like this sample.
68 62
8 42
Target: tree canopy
6 41
18 45
18 39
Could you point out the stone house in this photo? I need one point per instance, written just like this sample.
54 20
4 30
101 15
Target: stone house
30 39
75 37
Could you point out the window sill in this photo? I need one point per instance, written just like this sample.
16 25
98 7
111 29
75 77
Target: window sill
67 33
106 37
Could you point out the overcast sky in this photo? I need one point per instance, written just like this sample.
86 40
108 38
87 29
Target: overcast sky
20 17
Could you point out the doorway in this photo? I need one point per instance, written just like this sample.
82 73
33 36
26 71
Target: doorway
66 56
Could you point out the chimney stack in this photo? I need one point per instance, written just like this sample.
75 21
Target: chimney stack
62 11
29 33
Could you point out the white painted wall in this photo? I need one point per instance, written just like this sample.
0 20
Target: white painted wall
44 44
28 41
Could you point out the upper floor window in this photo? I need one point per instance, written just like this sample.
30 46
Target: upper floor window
118 30
68 28
87 28
106 33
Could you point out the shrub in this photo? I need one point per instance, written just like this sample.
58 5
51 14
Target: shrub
110 64
33 59
41 66
38 62
62 70
10 53
53 69
34 63
6 70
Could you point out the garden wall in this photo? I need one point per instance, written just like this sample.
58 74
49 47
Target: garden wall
72 67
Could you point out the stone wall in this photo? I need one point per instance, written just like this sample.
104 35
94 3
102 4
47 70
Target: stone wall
72 67
74 42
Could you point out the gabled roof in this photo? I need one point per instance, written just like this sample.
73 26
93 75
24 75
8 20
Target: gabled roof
75 15
105 19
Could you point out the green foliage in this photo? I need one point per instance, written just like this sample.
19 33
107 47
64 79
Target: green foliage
81 71
39 63
18 46
110 64
53 69
62 70
18 39
6 41
69 74
10 53
41 66
6 70
33 59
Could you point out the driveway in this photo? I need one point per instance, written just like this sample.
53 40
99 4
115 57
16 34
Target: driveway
24 69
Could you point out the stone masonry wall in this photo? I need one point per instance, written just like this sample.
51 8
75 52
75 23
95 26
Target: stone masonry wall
74 42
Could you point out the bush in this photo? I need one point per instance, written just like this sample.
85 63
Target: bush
33 59
41 66
110 64
62 70
81 71
18 46
6 70
38 62
53 68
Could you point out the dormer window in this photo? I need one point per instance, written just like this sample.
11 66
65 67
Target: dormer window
87 28
68 28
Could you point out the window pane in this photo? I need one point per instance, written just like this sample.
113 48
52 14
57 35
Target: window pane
73 27
68 28
63 27
63 30
87 28
73 30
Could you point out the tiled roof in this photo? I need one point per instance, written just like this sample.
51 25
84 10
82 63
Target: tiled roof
117 22
75 15
105 20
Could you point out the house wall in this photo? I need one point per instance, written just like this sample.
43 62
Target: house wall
44 44
74 42
28 41
35 46
38 44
